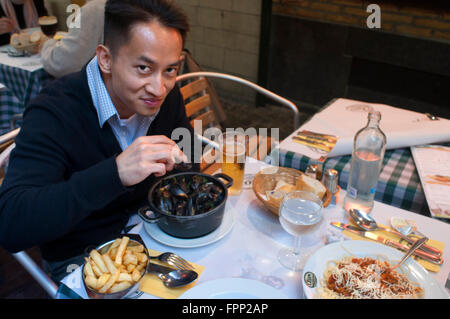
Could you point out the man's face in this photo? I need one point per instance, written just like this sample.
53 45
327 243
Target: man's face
144 70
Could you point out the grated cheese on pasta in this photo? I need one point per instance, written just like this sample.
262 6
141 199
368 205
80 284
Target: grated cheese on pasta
365 278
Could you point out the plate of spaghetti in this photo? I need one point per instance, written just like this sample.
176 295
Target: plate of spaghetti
357 269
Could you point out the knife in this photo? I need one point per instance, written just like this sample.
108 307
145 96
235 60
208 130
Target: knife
422 254
425 247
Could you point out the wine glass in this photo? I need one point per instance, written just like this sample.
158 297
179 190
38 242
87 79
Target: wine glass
300 213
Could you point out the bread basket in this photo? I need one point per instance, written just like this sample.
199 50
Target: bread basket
267 179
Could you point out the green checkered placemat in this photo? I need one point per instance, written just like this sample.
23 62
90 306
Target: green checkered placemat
398 185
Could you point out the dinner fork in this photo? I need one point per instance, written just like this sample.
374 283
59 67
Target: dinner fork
408 254
174 260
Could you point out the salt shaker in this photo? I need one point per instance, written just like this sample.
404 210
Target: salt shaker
330 180
314 171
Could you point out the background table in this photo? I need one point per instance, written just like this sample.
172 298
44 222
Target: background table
250 249
398 185
9 106
23 77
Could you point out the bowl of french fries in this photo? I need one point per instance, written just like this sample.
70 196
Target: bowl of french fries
113 270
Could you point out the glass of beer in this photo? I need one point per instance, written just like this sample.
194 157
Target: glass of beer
49 25
233 149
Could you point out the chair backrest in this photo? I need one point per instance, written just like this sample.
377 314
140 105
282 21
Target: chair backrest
198 103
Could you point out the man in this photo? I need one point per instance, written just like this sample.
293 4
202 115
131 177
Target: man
82 163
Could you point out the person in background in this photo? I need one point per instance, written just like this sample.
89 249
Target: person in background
76 49
19 14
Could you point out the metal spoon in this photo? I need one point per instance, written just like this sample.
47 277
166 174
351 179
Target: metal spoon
408 254
405 226
366 222
174 278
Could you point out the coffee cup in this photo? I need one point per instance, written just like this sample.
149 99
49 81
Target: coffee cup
49 25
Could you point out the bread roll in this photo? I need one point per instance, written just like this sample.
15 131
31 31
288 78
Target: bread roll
35 36
24 38
15 40
309 184
276 195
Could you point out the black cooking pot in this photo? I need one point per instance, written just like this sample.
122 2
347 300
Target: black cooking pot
187 226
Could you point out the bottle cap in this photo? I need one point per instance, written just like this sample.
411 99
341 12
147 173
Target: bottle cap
330 180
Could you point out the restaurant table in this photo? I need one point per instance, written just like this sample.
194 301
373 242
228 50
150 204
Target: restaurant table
24 77
399 183
9 107
250 249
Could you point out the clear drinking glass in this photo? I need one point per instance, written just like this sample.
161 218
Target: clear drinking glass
300 213
233 148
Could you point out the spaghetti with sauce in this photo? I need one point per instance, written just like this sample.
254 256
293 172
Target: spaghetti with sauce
366 278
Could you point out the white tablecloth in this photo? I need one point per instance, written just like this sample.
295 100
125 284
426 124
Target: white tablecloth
344 117
250 249
29 63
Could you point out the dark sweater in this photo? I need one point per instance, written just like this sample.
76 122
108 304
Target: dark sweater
62 190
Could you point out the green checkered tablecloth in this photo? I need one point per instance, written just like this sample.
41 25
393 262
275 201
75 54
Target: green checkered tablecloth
23 84
398 185
9 106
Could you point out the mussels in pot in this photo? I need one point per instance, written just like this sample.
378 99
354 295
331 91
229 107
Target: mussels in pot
187 204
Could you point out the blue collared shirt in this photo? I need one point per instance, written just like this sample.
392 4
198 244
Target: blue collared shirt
125 130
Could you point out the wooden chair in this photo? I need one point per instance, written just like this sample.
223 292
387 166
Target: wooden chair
198 107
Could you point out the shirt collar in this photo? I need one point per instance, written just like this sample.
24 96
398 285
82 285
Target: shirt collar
100 97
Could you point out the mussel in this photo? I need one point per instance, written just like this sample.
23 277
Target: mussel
188 195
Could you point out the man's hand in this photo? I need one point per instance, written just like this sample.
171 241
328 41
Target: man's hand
147 155
6 25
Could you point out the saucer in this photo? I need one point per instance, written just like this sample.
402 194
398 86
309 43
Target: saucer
225 227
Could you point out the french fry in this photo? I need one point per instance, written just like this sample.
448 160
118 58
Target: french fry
130 259
113 253
136 275
95 255
109 263
140 267
124 277
130 267
136 249
88 270
95 269
102 280
91 282
111 281
120 286
142 257
121 250
116 243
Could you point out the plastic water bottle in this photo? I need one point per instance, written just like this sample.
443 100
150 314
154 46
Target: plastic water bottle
368 152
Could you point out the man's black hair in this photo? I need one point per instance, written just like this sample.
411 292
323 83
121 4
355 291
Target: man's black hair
122 15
